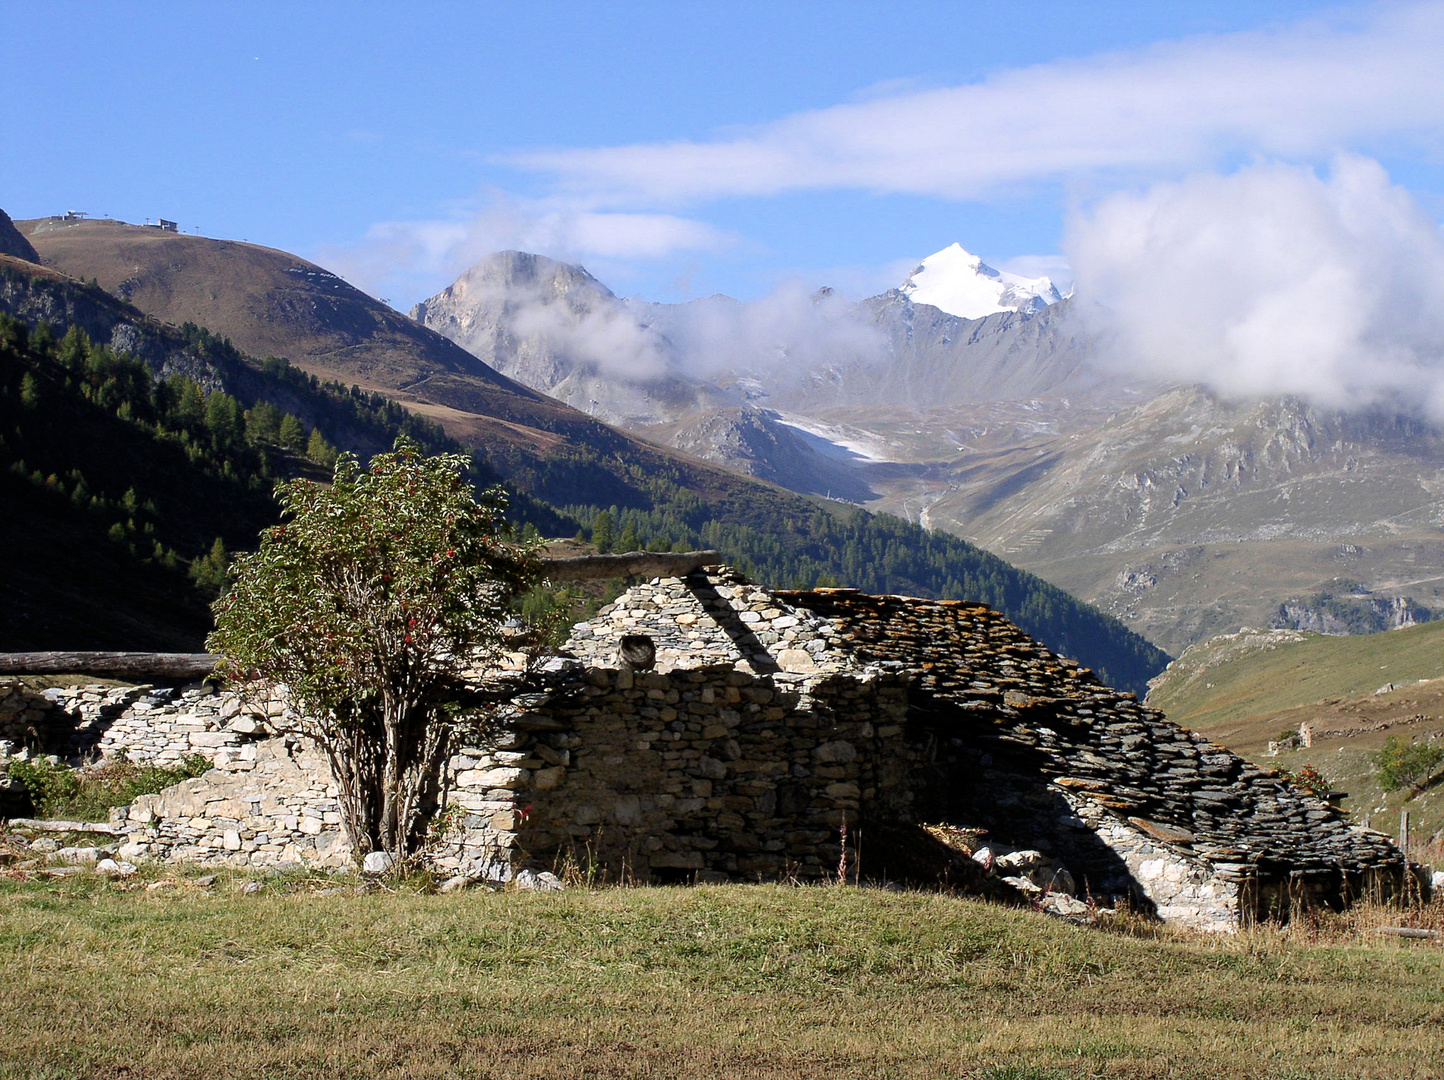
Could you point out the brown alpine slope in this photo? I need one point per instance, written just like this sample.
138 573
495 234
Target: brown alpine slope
271 303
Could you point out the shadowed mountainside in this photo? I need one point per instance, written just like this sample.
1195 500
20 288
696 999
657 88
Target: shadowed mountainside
12 242
548 451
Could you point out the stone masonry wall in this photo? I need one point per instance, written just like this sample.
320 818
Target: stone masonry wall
159 725
266 801
273 806
704 774
767 721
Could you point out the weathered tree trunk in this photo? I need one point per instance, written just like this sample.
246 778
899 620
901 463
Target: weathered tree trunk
118 665
631 564
34 825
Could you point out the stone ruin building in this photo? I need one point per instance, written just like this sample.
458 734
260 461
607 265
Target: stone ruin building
703 728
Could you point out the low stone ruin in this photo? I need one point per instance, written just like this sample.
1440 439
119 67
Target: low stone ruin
752 731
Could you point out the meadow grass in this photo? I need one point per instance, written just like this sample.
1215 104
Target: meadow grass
299 980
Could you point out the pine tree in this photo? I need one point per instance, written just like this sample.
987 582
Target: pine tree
223 420
292 433
602 534
319 450
263 423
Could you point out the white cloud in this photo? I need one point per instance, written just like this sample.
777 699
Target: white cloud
1272 280
416 258
609 339
1300 91
787 333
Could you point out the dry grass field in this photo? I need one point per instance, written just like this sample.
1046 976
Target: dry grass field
159 977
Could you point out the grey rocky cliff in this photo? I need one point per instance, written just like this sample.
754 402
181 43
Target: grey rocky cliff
64 303
552 326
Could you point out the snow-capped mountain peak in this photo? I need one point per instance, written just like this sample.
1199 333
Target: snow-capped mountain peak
958 282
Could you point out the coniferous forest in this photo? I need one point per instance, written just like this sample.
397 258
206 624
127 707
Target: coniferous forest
129 490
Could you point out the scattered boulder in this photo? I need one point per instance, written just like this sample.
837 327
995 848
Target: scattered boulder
531 881
78 854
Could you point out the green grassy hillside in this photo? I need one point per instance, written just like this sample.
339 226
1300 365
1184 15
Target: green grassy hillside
1208 688
1248 689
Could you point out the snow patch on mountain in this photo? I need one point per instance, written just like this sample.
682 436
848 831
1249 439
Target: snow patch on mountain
958 282
847 442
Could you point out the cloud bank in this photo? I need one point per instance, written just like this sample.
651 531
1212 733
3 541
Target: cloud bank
783 335
1300 91
553 317
409 258
1272 280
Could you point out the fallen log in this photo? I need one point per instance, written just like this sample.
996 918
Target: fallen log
1412 932
36 825
115 665
630 564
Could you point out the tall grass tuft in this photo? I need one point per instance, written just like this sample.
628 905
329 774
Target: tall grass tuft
89 793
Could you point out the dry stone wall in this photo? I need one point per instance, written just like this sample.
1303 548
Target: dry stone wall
754 727
158 725
701 774
271 805
266 801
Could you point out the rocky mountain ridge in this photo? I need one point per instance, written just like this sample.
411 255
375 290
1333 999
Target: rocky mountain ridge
1183 513
568 468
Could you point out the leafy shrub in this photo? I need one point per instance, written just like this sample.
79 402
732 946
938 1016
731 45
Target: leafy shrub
1308 778
1407 764
89 793
49 785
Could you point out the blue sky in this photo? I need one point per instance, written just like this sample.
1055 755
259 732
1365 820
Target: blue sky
685 149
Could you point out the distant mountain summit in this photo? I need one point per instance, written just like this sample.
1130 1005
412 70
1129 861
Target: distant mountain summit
552 326
958 282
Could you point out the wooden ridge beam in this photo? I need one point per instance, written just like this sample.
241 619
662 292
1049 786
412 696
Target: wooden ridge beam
630 564
116 665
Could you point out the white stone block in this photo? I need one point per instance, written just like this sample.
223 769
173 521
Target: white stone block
376 862
511 779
